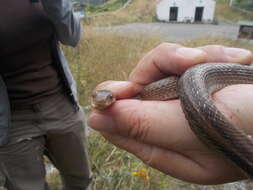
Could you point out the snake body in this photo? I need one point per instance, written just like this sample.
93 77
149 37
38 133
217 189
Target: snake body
194 89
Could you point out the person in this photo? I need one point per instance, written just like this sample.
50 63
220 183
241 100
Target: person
157 131
39 111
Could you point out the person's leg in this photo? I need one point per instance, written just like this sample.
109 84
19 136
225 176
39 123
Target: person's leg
22 165
67 152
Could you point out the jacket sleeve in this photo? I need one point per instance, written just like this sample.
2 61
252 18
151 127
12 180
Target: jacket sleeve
67 24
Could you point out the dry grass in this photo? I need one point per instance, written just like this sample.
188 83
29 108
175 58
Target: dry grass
202 41
54 180
113 169
106 56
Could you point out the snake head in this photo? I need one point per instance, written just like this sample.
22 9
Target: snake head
102 99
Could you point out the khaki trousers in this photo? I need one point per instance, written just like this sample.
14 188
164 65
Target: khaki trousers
51 128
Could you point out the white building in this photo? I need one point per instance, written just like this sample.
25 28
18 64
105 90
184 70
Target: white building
186 10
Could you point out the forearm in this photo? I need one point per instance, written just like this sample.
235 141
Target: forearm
67 25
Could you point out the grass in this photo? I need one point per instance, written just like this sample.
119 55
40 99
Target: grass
113 169
105 56
109 6
109 56
225 13
202 41
137 11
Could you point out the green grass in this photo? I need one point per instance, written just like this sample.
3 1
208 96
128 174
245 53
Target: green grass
109 6
244 4
137 11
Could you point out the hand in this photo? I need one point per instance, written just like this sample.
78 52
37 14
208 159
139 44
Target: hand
157 131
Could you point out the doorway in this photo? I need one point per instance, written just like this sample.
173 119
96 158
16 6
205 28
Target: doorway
173 13
199 14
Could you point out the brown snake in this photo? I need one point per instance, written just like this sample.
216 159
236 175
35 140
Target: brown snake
194 89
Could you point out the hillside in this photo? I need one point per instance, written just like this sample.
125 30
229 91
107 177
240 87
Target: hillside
226 13
144 11
96 2
136 11
108 6
244 4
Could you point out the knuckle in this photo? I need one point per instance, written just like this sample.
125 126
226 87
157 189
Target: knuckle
148 156
214 49
215 53
166 46
217 47
103 85
140 126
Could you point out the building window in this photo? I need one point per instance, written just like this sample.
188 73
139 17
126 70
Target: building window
199 14
173 13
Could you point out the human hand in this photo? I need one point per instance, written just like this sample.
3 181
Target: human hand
157 131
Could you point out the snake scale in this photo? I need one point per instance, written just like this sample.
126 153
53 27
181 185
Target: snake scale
194 89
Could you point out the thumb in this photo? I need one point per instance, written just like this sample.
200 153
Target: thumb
146 121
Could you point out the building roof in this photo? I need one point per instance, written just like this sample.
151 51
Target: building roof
246 23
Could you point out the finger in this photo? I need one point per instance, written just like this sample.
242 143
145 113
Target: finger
178 165
165 59
164 160
217 53
175 59
162 125
121 89
235 103
154 121
146 121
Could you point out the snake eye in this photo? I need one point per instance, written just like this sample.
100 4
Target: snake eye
94 94
110 96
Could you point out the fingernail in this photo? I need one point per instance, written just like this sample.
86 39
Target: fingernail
115 85
191 53
237 53
101 122
119 84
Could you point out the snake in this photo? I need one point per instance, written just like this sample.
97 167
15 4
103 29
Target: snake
195 88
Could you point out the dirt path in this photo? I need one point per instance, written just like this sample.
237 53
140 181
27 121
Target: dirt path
177 32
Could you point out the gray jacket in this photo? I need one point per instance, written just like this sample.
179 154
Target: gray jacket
68 32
